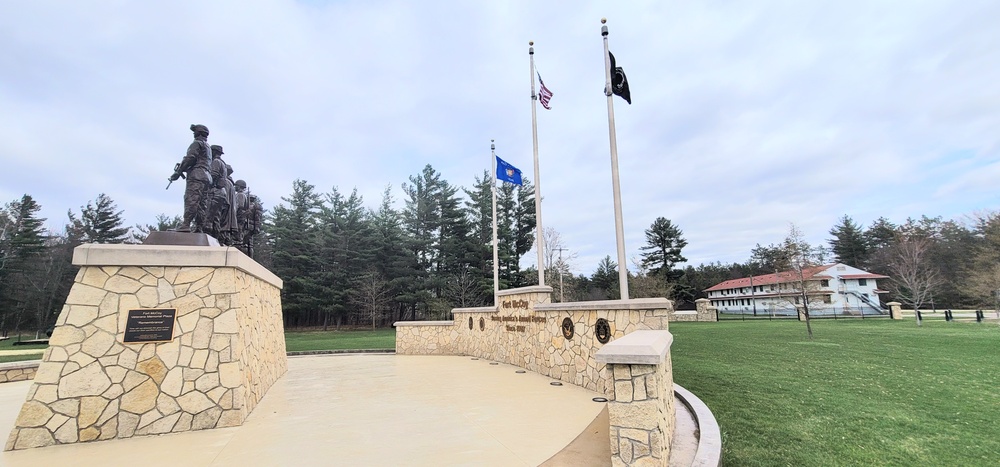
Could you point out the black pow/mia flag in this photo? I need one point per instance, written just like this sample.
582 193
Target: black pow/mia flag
619 83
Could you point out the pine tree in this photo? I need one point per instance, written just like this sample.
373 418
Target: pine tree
102 222
392 260
848 243
605 279
294 241
479 210
22 246
346 252
662 252
422 221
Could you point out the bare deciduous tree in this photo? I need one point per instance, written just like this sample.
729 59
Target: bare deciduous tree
913 277
803 259
558 259
647 285
463 290
372 295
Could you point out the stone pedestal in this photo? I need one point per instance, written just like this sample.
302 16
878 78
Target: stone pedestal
895 310
641 401
706 312
226 351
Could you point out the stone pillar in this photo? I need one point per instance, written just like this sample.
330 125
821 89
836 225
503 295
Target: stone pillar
226 351
706 312
801 311
641 398
895 310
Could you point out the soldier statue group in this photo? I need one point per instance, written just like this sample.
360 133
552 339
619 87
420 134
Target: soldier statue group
213 202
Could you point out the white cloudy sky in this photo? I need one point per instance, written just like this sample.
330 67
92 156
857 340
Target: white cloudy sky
746 115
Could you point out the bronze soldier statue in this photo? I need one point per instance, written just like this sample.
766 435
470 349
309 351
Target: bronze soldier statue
221 198
195 166
241 203
254 221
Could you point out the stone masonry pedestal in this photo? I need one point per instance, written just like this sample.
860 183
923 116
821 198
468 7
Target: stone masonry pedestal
227 349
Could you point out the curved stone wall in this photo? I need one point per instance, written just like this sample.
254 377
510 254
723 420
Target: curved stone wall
525 330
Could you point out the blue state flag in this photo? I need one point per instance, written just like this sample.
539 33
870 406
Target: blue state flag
508 173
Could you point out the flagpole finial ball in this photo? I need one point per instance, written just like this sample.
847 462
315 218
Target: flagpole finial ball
531 42
604 20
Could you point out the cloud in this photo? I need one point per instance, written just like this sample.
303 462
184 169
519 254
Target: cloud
745 116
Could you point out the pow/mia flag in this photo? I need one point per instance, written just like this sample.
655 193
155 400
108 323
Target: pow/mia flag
619 83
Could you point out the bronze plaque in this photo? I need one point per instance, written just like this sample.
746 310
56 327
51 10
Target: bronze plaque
153 325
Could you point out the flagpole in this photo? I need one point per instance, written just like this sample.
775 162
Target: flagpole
496 256
540 247
619 227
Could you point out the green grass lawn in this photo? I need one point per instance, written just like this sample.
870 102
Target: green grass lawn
8 344
872 392
340 340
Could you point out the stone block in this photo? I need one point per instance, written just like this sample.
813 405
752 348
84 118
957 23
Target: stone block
89 434
33 438
122 285
623 391
154 368
194 402
98 344
642 415
90 409
67 433
230 375
33 414
140 399
87 381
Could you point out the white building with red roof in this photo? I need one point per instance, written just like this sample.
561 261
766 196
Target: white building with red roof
832 289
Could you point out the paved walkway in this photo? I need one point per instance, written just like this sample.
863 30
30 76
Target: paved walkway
371 410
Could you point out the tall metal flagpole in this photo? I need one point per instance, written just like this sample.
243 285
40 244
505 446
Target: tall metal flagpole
496 256
619 228
538 181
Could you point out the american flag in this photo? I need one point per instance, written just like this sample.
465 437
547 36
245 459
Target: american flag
544 94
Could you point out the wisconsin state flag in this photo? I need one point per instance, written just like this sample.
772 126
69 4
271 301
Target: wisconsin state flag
508 173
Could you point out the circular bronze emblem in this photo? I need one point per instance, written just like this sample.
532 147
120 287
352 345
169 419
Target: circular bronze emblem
602 330
568 328
470 323
482 324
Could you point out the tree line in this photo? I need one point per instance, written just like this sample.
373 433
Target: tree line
344 263
931 262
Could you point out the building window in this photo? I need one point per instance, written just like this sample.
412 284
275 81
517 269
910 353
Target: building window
824 283
827 299
862 281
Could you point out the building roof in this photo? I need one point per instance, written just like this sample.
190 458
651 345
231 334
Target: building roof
777 278
863 276
811 273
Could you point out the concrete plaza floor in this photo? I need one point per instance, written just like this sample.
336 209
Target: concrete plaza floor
361 409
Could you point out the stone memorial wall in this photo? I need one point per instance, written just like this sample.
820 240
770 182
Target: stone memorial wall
526 330
221 351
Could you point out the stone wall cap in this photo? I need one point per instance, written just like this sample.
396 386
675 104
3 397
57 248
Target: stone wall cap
632 304
423 323
528 289
20 365
478 309
645 347
92 254
686 312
